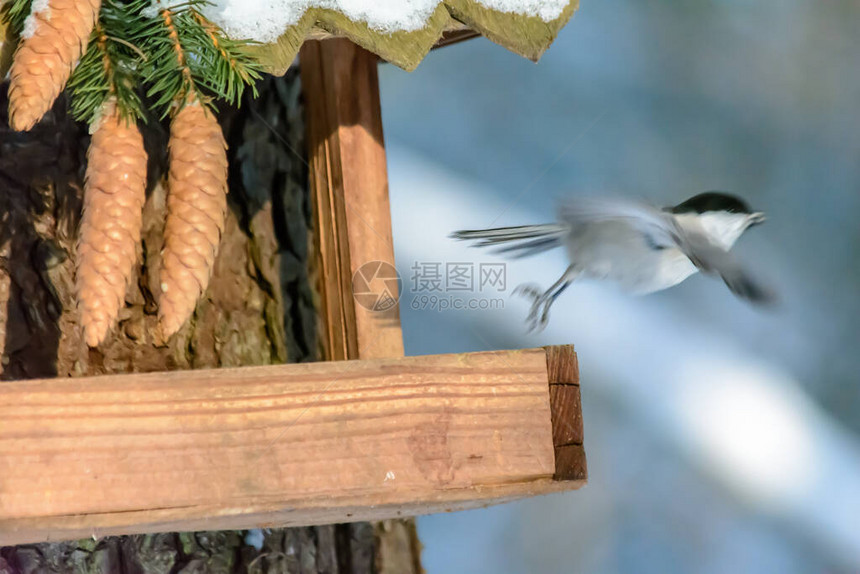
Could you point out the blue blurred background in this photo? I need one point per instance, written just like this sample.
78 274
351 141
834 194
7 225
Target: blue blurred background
720 438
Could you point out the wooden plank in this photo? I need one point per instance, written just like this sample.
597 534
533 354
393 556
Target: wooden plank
283 445
455 36
454 33
349 184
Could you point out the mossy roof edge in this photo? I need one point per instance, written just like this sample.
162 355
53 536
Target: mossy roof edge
528 36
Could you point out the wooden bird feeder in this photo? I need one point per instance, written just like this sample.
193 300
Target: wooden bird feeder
371 434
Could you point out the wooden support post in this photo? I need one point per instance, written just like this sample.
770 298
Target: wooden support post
349 184
282 445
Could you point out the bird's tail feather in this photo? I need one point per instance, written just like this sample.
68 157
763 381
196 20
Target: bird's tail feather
521 241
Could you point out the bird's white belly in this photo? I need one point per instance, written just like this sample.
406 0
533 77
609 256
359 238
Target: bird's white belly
614 252
673 268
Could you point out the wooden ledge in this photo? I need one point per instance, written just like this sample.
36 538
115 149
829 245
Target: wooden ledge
286 445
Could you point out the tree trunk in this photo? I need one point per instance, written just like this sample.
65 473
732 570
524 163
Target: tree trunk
259 309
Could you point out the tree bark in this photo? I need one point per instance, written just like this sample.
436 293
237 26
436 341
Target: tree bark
259 309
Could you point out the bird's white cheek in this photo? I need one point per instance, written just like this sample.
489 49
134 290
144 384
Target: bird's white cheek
723 228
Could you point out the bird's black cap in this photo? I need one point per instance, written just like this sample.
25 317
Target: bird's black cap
712 201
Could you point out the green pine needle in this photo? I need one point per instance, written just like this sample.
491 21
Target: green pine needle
109 68
14 14
189 58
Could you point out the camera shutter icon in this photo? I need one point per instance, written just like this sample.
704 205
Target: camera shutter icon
377 286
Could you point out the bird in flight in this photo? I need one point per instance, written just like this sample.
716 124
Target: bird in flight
639 246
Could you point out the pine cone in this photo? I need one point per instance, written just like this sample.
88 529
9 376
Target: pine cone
196 208
53 41
114 194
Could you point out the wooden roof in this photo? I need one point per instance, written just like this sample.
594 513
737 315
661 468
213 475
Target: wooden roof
528 36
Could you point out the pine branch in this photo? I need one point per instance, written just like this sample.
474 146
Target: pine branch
190 59
239 69
108 69
176 52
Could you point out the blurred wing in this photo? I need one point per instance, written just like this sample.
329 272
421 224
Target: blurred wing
658 228
712 259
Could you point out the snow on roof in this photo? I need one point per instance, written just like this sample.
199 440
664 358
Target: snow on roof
266 20
401 31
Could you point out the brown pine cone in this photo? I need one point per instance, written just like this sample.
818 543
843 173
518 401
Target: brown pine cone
196 208
53 41
114 194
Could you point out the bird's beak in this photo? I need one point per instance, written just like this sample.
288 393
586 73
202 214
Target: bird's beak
757 218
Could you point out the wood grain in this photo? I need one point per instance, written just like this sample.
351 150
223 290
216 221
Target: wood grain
349 184
566 412
284 445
